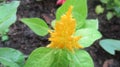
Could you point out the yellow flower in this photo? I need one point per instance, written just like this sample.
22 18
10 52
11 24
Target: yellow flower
62 36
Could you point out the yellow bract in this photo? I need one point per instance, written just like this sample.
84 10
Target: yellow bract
62 36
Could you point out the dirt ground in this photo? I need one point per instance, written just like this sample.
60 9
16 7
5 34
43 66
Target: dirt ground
23 39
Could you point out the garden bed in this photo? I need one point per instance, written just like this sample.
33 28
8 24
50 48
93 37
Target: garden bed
23 39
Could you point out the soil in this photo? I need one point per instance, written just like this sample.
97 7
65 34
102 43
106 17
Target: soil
23 39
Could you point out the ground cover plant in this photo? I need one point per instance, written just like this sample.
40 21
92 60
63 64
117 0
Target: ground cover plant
110 45
7 17
22 38
11 58
113 7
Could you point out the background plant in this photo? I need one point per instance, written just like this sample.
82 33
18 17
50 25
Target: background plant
56 57
60 2
110 45
7 17
11 58
2 1
112 6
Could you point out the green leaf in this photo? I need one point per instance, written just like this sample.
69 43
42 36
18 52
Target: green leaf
79 10
11 57
6 24
81 59
109 15
2 1
53 23
41 57
117 11
110 45
91 23
99 9
7 15
48 57
4 38
8 9
61 58
88 36
117 2
104 1
37 25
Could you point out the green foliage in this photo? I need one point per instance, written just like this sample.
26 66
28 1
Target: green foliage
99 9
7 17
79 10
51 57
109 15
37 25
11 58
89 33
47 57
87 29
112 6
2 1
110 45
88 36
105 1
81 58
91 23
55 57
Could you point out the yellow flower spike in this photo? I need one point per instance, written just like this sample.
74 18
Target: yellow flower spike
62 36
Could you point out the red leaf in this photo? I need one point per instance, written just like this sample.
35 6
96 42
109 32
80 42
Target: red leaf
60 2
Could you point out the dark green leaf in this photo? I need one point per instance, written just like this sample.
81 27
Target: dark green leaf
117 2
